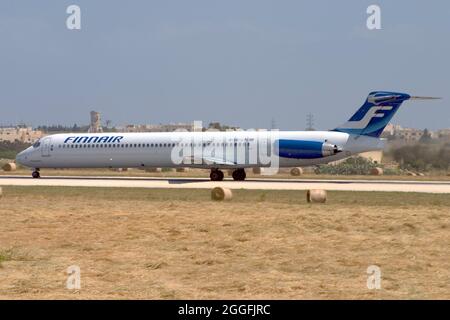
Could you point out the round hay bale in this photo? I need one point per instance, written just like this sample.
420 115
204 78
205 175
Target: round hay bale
9 166
296 171
316 196
256 170
219 194
376 171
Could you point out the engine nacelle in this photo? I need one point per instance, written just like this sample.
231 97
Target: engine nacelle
330 149
303 149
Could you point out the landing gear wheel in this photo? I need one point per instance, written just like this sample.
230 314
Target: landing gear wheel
216 175
239 175
36 174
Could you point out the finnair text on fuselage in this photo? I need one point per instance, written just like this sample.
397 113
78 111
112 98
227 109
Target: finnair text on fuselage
94 139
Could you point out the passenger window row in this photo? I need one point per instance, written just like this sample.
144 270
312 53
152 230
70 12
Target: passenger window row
150 145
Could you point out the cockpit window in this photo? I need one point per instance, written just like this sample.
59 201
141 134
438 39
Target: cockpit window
36 144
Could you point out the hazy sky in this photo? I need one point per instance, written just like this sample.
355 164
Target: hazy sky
240 62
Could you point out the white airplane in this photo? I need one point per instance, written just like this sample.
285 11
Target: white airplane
234 150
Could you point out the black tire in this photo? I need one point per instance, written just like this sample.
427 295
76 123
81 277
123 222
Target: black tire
35 174
216 175
239 175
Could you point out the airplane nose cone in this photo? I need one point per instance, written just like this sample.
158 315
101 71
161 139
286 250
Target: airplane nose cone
21 157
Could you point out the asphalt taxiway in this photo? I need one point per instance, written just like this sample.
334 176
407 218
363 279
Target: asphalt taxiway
253 183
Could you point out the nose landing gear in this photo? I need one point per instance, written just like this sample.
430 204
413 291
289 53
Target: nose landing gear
36 174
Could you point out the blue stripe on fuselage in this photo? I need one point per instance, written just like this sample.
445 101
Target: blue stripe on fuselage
300 149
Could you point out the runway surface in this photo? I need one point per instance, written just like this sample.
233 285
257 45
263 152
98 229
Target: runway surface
255 183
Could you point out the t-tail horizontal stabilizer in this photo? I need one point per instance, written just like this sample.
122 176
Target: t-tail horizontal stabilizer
376 112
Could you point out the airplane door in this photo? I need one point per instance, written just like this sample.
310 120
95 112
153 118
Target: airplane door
252 151
230 154
46 145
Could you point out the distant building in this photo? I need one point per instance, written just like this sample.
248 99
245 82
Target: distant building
220 127
409 134
95 125
22 134
390 129
157 127
443 134
393 131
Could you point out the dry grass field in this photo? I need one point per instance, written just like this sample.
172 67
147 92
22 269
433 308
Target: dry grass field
178 244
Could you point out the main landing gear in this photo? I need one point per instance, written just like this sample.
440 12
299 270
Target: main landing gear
239 175
217 175
35 174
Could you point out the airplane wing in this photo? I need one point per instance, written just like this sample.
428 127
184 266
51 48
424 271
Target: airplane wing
210 161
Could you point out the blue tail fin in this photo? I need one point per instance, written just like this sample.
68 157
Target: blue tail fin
375 113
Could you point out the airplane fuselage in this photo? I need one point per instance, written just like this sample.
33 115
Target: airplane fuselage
233 149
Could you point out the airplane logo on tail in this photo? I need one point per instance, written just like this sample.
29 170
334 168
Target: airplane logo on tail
371 113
